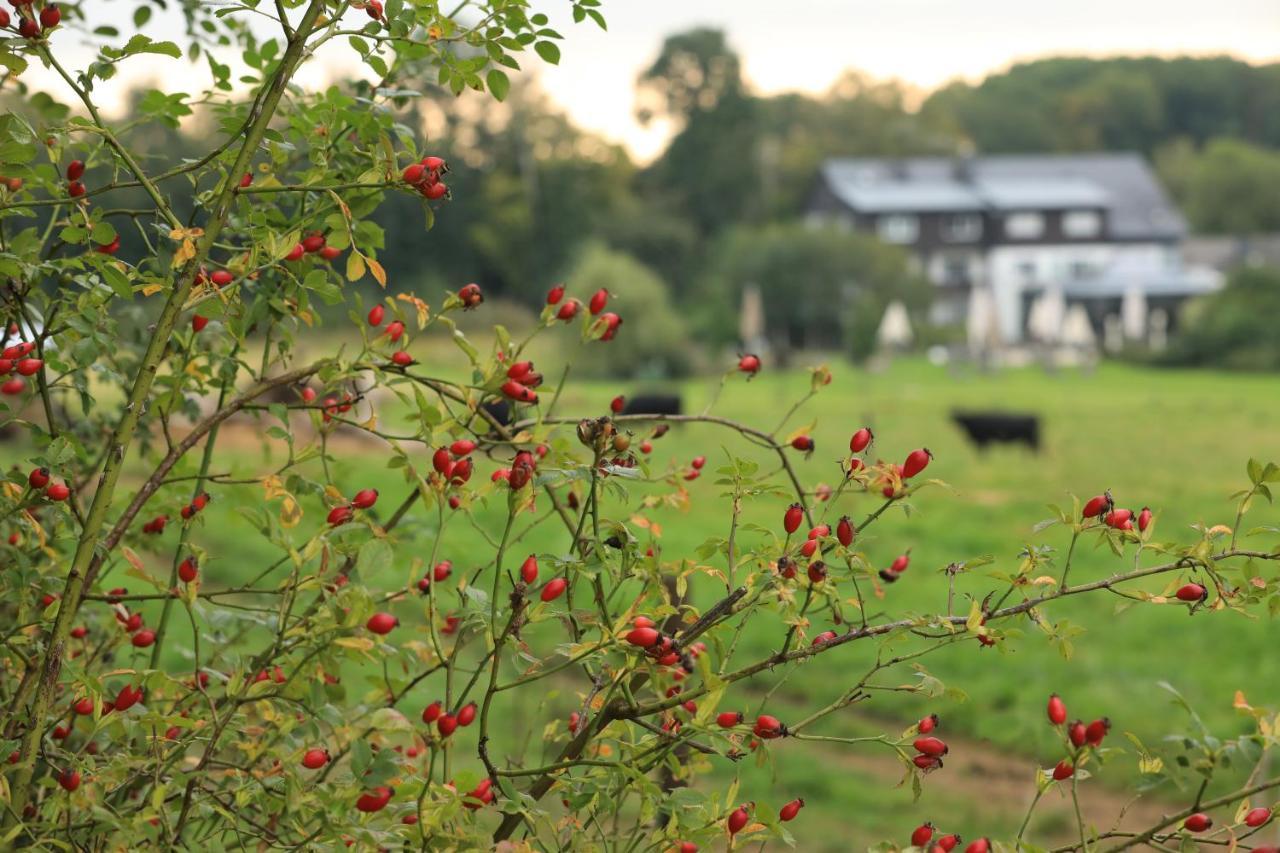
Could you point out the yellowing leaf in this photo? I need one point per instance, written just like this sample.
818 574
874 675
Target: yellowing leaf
133 558
1150 764
379 274
360 644
290 512
152 289
424 310
1043 580
355 266
975 618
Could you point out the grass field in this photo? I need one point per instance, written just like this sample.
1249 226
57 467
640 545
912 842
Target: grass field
1175 440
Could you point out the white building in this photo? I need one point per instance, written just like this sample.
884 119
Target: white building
1092 227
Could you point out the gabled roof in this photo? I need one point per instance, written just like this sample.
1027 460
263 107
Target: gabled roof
1122 184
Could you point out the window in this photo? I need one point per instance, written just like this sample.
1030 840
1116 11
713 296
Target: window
955 269
1081 223
1077 270
898 228
962 227
1023 226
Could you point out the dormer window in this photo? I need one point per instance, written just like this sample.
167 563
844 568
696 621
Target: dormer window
1081 223
1023 226
898 228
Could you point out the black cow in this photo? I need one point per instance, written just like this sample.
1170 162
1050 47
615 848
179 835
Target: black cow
499 410
985 428
653 404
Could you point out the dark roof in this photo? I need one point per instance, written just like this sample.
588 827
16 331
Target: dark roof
1122 184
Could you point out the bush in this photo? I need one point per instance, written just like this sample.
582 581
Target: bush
823 288
1233 328
654 341
230 625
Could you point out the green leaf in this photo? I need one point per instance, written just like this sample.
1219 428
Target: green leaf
499 84
16 64
374 555
142 44
17 139
549 51
141 15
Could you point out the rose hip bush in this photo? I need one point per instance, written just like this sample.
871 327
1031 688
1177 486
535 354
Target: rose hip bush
120 374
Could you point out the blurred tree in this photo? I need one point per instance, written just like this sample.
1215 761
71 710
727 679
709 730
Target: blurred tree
1134 103
1234 328
710 172
1234 188
822 287
857 116
653 340
534 186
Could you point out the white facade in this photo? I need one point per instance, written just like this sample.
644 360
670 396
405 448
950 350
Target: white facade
1014 270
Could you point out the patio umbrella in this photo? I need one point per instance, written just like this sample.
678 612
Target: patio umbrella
895 327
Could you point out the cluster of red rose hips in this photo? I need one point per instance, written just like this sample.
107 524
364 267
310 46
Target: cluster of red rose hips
607 322
929 752
140 636
453 463
891 478
896 568
192 509
1104 508
16 360
331 406
69 779
666 653
40 481
434 714
1078 735
341 514
424 176
522 469
314 243
522 379
1255 818
75 171
923 836
693 472
439 573
741 816
447 723
31 23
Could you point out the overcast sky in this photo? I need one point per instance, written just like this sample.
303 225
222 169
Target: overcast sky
805 44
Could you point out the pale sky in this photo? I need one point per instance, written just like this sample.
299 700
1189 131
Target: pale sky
805 44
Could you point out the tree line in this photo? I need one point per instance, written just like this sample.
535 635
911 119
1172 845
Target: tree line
539 199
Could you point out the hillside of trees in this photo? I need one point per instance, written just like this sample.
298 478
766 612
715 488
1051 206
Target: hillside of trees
537 198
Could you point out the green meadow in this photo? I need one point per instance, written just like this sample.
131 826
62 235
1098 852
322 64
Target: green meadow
1176 441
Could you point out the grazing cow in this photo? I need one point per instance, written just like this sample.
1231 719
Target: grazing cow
985 428
499 410
653 404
